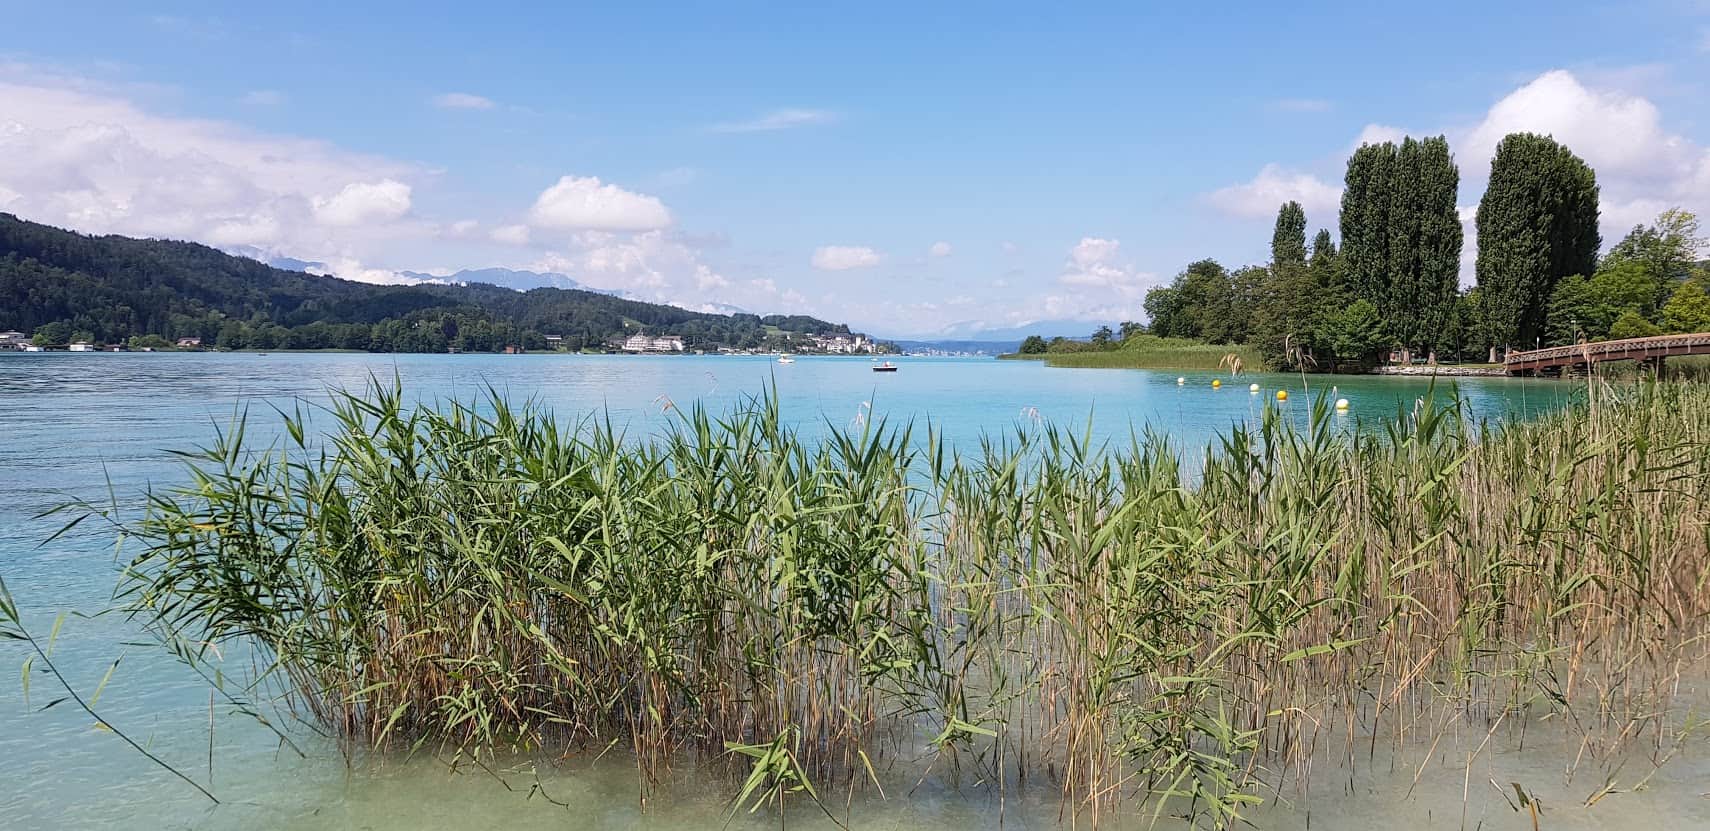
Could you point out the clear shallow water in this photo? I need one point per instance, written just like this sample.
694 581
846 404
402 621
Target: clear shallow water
76 424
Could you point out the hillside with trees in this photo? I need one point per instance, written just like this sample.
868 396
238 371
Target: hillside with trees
1392 286
66 286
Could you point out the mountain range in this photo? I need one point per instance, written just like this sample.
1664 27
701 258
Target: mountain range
112 288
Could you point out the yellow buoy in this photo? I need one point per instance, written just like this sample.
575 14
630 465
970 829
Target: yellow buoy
1282 395
1341 403
1216 382
1253 388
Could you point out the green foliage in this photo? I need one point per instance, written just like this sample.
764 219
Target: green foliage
55 333
1201 303
1354 335
1537 224
1401 235
1631 324
113 288
1288 241
1666 248
1367 198
1688 309
1033 345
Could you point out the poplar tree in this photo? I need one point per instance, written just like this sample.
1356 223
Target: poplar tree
1401 236
1288 241
1437 239
1366 203
1537 224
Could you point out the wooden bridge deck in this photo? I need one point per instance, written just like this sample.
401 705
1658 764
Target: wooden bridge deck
1583 355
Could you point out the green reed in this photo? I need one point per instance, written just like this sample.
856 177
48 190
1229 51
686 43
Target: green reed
1038 610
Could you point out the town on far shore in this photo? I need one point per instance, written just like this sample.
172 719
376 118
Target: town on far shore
826 344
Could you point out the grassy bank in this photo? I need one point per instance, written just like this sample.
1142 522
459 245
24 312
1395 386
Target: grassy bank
1093 620
1151 352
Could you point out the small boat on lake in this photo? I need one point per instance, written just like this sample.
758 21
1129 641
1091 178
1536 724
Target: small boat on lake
887 366
786 360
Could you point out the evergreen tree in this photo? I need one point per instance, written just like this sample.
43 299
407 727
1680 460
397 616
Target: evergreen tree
1537 224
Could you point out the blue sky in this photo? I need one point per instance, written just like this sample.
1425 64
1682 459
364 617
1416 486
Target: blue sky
908 170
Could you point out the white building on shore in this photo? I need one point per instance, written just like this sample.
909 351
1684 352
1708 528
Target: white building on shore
843 344
645 343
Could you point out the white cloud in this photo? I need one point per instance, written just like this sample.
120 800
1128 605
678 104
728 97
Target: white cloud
1377 134
510 234
844 257
585 203
364 202
939 249
80 154
777 120
353 269
706 279
1642 167
1092 263
462 101
1302 105
1275 185
462 228
765 284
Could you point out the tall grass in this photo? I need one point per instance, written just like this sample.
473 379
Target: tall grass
1040 610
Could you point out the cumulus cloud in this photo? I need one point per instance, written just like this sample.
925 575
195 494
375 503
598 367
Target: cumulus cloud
777 120
1275 185
706 279
844 257
939 249
1642 167
80 154
1093 263
1377 134
510 234
584 203
364 202
462 101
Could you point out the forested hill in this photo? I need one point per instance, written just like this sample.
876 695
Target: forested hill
110 289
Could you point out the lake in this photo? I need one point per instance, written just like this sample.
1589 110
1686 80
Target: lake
87 425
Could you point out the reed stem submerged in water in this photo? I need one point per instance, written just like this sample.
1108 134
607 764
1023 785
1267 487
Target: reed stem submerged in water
1039 608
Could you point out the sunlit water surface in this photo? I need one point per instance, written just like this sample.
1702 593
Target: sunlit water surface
79 425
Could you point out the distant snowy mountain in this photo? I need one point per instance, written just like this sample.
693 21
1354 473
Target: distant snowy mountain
504 278
979 330
711 308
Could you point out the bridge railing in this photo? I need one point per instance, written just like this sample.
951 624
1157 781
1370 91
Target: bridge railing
1598 349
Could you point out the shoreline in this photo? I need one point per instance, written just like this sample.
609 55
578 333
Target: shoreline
1478 371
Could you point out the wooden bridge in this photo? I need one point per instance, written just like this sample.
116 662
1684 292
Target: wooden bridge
1582 356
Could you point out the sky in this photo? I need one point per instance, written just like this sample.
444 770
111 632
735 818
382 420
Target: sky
911 169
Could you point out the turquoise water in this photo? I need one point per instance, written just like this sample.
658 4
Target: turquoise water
79 425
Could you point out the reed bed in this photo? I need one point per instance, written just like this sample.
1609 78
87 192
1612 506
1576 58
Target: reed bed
1126 624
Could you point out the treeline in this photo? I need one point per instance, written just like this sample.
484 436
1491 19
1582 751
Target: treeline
66 286
1393 285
